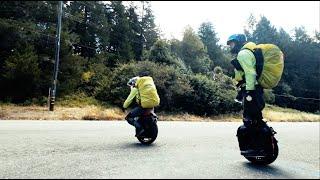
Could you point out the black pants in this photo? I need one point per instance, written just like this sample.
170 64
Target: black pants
252 110
138 111
254 133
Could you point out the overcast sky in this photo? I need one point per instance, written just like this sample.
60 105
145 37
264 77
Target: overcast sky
229 17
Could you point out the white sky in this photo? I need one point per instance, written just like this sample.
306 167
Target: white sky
229 17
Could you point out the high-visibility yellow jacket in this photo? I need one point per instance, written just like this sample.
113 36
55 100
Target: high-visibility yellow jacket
248 62
145 93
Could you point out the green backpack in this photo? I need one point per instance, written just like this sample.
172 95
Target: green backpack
269 64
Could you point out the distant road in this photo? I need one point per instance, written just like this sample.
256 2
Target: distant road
108 149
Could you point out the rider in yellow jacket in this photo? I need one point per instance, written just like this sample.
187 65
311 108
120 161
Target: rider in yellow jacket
144 91
251 95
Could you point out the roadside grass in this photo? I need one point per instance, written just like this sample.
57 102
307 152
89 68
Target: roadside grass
81 107
279 114
91 110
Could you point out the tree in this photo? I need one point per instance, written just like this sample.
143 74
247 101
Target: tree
264 32
120 44
209 38
149 29
250 28
194 53
88 20
21 75
135 33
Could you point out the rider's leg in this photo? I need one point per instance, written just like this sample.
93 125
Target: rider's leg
132 119
252 114
252 110
135 112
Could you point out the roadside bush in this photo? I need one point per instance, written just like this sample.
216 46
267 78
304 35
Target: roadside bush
95 77
178 91
269 97
170 82
210 98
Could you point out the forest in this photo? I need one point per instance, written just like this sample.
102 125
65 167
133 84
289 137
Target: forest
104 44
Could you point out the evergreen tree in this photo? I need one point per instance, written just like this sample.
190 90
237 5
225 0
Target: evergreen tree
194 53
119 34
209 38
149 29
264 32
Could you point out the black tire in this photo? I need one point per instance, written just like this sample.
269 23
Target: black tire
268 159
150 135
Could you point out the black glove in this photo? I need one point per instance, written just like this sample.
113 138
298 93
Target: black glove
240 83
239 97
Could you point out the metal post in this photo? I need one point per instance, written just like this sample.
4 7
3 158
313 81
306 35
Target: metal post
141 33
56 65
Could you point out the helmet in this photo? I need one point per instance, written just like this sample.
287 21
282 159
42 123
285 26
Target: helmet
239 40
132 81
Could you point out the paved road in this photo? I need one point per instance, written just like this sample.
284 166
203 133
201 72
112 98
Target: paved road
108 149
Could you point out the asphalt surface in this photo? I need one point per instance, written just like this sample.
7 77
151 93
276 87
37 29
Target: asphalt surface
108 149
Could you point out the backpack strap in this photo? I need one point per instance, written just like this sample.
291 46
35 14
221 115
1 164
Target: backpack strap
139 97
257 52
236 64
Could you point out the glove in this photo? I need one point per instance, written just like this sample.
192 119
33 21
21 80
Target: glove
239 84
239 97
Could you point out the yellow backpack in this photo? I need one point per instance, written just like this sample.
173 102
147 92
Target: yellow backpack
148 95
269 64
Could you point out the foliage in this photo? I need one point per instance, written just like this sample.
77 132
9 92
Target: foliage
210 98
171 84
20 75
105 44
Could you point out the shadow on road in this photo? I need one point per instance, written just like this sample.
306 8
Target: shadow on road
137 145
268 169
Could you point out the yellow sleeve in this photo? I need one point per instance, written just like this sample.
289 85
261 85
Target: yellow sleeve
248 63
132 95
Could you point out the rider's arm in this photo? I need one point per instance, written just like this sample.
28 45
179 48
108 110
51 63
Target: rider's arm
132 95
248 63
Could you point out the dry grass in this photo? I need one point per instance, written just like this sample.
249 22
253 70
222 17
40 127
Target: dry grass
278 114
98 113
191 117
93 112
60 113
